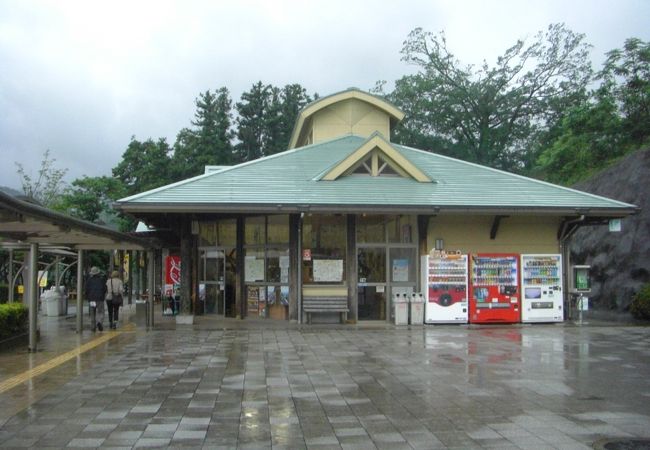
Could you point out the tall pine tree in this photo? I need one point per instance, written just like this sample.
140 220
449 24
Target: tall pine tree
210 141
251 122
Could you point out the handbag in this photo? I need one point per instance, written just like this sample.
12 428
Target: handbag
115 298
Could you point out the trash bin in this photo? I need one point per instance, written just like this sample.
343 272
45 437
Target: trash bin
417 308
401 309
51 300
141 313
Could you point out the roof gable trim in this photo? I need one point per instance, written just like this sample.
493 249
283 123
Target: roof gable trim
386 151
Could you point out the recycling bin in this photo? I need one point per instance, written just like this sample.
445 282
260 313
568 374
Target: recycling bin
416 306
53 301
401 309
141 313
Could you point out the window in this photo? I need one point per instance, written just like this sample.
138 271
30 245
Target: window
324 242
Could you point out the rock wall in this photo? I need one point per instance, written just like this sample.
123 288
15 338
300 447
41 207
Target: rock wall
620 261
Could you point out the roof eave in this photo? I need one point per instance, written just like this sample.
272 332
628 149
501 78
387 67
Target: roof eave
243 208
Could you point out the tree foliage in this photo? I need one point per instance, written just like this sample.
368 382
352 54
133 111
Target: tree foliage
47 186
144 166
612 121
490 115
90 198
626 74
265 118
210 141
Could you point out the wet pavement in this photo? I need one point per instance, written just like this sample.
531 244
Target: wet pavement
252 384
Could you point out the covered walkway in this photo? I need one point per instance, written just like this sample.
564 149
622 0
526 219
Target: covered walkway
32 228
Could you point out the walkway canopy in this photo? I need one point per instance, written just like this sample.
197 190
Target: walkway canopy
28 223
30 226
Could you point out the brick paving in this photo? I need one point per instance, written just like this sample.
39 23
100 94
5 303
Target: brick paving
229 384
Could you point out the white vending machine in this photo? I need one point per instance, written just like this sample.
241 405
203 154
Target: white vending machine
444 284
541 285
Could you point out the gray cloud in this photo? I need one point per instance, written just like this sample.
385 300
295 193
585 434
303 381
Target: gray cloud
81 78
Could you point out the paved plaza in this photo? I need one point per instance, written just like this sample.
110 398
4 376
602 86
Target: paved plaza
250 384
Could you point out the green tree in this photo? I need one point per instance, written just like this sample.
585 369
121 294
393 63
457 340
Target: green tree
266 115
284 106
144 166
251 122
90 198
210 141
46 188
588 139
491 115
626 73
614 120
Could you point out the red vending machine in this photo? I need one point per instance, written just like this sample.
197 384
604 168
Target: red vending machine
494 290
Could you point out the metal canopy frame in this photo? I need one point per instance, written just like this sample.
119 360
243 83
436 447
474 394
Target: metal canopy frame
28 226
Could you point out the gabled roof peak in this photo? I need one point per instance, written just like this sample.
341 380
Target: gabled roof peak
379 151
304 122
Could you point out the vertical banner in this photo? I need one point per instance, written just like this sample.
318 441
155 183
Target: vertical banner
173 270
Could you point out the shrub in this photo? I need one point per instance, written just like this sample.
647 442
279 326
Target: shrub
640 306
13 320
4 292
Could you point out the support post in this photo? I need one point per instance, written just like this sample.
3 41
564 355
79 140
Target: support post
12 285
33 295
240 289
80 290
151 270
186 314
351 256
295 280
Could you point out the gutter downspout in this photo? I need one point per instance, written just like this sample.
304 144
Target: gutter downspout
565 235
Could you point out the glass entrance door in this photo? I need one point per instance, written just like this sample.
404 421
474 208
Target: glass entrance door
386 261
371 262
213 286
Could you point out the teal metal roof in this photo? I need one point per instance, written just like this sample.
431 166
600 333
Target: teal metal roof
289 181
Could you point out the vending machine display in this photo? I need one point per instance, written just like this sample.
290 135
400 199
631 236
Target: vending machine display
494 290
444 282
541 286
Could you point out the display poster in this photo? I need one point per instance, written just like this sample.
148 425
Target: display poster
125 267
400 270
254 269
253 299
42 278
284 269
168 290
328 270
284 295
306 254
173 269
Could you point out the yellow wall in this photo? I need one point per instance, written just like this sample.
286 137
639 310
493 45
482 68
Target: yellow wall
350 116
516 234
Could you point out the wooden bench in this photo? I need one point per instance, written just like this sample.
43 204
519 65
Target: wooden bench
325 305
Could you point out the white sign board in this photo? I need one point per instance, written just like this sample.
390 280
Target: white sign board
328 270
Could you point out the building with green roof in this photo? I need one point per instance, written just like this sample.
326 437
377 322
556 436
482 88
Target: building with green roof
336 215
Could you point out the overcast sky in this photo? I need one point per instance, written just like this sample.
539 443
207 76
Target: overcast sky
81 77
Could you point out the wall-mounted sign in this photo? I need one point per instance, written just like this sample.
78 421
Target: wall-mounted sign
615 225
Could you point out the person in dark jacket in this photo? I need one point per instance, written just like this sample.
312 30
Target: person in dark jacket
95 290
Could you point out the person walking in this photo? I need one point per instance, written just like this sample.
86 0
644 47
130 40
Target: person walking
114 297
95 292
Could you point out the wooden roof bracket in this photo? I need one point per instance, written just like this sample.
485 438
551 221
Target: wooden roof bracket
495 226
